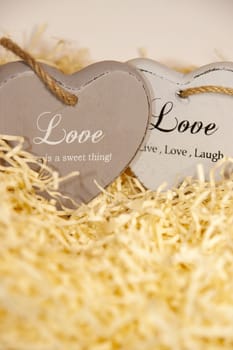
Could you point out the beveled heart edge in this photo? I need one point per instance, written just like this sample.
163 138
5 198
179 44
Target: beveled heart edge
179 78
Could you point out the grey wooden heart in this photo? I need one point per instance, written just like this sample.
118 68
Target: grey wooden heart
98 137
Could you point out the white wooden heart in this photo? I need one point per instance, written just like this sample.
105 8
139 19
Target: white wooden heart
184 132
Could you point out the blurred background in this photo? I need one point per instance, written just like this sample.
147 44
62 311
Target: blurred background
180 32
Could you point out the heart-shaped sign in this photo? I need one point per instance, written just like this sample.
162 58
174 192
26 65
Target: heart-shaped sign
98 137
184 131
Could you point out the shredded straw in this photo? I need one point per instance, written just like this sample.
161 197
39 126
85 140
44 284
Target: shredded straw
132 270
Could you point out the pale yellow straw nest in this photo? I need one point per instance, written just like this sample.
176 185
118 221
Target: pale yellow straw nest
133 270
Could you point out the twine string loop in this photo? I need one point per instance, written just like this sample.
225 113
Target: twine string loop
63 95
205 89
